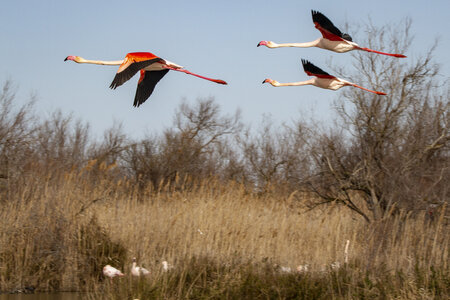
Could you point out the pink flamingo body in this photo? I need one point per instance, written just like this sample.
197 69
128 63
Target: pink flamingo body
321 79
111 272
151 67
332 39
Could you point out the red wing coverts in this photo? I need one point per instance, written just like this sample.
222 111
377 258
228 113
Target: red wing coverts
327 28
131 70
146 85
312 70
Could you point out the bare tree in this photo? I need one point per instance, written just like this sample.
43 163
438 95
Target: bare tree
393 151
16 131
60 143
188 149
274 156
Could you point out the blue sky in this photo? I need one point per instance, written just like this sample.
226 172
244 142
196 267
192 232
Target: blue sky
212 38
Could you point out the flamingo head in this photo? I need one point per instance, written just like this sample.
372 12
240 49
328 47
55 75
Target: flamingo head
271 81
134 259
72 57
268 44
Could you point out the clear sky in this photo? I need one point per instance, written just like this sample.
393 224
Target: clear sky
212 38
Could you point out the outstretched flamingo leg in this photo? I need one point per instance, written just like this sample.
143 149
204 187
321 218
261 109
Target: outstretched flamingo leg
384 53
200 76
375 92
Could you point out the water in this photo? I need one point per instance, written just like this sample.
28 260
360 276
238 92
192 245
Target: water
56 296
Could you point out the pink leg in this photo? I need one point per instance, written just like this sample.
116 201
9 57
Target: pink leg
190 73
360 87
384 53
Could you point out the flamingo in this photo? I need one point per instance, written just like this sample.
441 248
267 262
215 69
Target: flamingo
111 272
332 38
303 268
138 271
151 67
321 79
166 266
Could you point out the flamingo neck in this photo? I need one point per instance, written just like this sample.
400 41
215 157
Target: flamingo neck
299 83
298 45
81 60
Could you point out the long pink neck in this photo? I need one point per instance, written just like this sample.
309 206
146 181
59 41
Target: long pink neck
298 83
219 81
384 53
298 45
99 62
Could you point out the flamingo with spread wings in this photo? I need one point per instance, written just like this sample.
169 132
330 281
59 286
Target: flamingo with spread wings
332 38
151 67
321 79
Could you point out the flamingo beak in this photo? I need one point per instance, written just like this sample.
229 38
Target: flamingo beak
266 80
262 43
70 57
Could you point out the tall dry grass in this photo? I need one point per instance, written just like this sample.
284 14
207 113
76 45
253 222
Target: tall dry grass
57 232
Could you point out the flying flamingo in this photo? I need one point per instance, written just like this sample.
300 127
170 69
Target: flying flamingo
151 67
138 271
111 272
332 38
321 79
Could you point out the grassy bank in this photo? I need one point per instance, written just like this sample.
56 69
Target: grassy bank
57 232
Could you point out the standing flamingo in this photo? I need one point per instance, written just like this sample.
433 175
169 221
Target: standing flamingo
152 68
166 266
332 38
321 79
111 272
138 271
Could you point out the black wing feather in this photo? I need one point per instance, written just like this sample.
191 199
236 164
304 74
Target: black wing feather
309 67
129 72
147 85
325 23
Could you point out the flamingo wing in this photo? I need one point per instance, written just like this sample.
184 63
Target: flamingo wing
327 28
146 85
132 68
312 70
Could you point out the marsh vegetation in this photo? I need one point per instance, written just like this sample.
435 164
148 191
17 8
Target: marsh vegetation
232 208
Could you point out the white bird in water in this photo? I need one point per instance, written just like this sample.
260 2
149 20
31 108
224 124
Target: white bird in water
138 271
332 38
111 272
321 79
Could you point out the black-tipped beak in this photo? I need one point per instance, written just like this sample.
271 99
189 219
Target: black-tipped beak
264 81
259 44
66 58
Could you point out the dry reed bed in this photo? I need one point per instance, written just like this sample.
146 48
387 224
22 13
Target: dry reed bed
57 233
